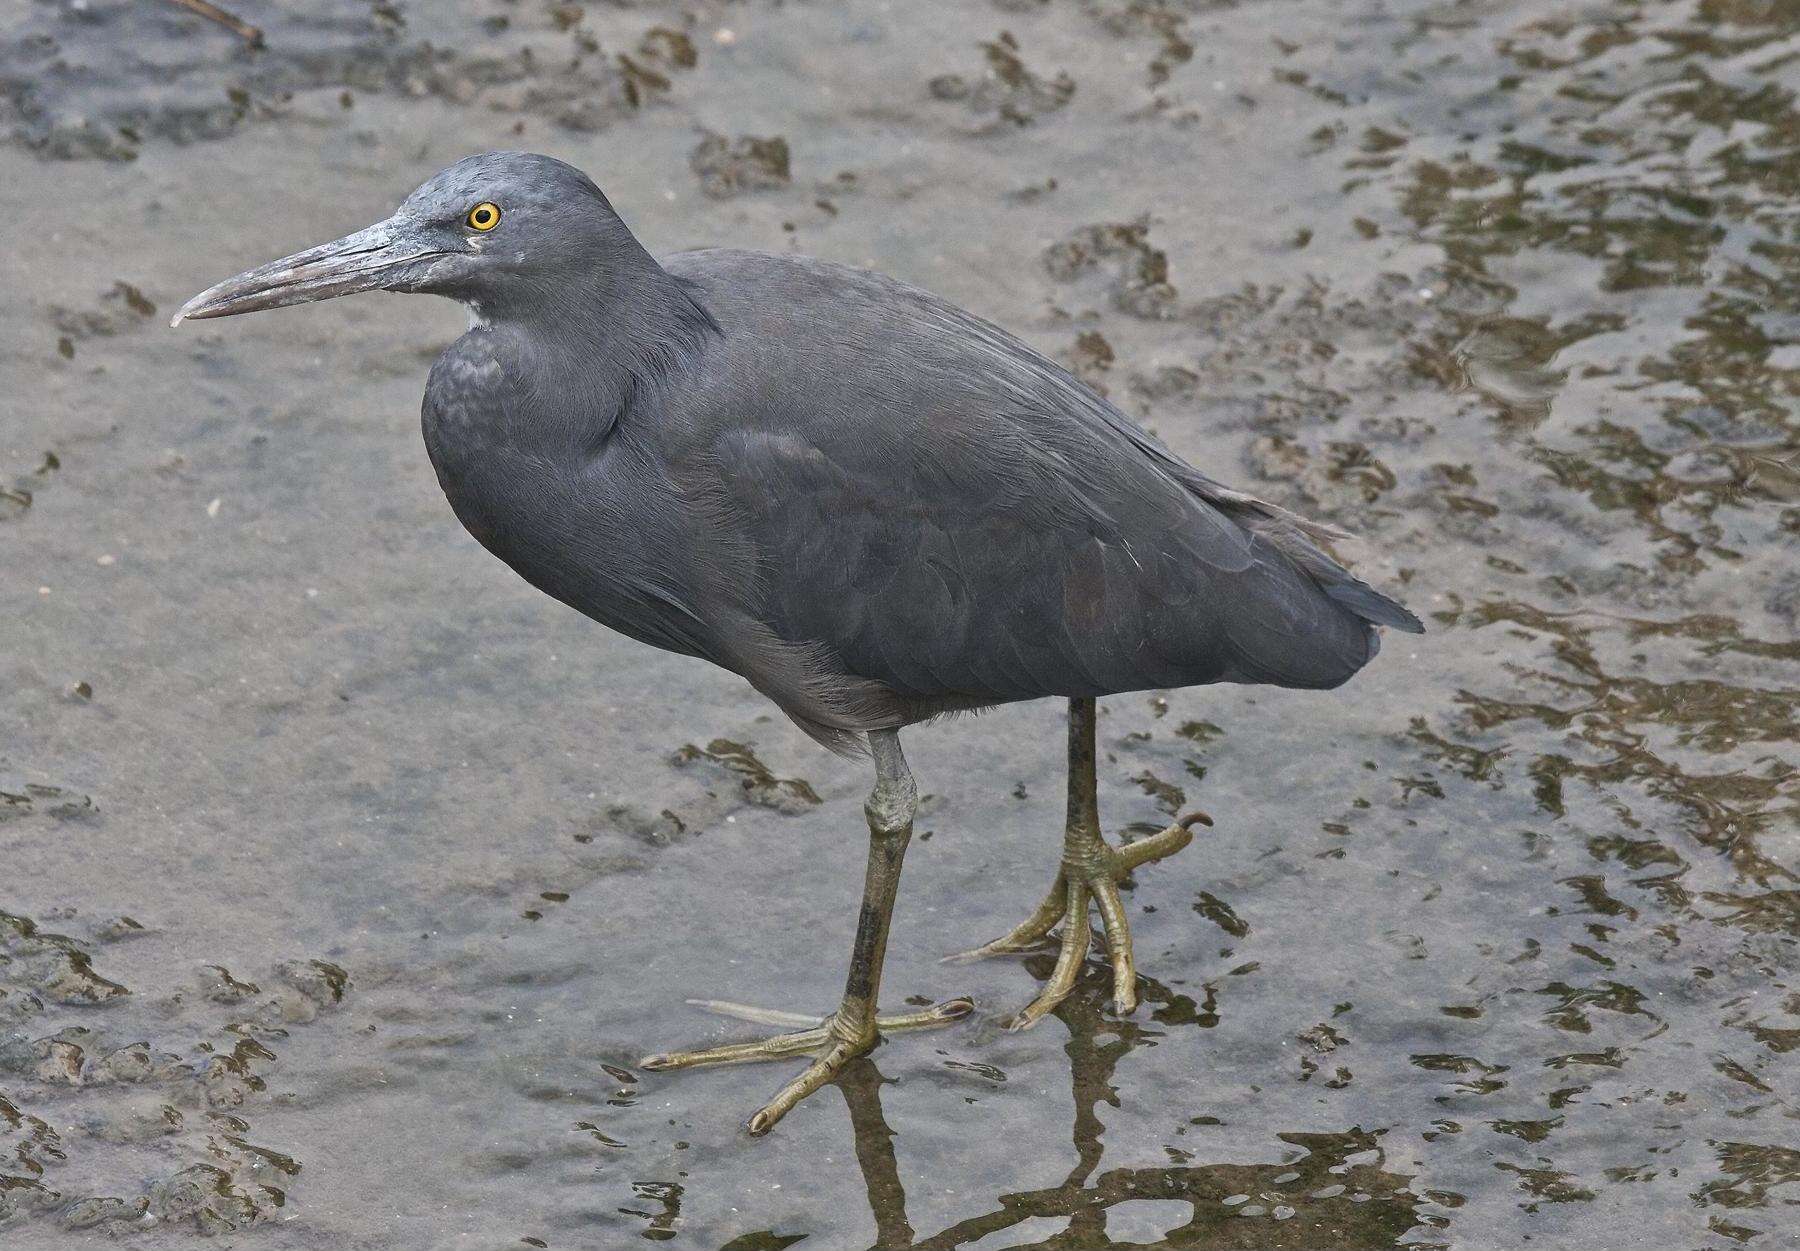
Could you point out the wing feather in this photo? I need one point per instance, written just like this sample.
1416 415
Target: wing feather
977 526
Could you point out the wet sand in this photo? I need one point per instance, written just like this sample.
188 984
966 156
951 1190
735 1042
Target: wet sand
343 877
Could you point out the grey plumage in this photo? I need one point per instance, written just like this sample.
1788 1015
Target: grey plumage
874 506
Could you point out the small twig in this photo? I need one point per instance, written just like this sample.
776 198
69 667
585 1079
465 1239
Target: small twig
251 35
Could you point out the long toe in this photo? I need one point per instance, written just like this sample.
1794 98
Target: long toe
819 1073
757 1015
1118 944
1159 845
799 1042
816 1038
1075 938
1027 934
944 1013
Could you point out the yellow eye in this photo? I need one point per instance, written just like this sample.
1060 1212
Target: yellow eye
484 216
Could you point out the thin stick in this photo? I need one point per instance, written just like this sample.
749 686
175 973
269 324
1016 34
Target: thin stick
251 35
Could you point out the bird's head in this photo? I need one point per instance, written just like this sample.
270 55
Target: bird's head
489 230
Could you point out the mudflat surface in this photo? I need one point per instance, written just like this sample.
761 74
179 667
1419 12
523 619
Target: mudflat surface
343 877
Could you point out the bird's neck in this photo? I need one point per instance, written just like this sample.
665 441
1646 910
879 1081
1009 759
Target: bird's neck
596 344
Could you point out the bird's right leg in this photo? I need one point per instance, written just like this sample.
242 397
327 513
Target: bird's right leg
1091 870
854 1029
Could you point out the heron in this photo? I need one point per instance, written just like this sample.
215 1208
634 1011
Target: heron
875 507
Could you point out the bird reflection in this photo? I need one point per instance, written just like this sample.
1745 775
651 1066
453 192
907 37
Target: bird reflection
860 1083
1318 1197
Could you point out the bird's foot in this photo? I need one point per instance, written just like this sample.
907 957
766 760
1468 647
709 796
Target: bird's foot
814 1034
833 1042
1091 870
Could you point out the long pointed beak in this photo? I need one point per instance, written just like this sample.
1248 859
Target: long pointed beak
358 262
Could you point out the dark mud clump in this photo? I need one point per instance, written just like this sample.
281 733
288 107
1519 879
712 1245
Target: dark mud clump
1134 275
98 1088
757 783
729 167
1007 92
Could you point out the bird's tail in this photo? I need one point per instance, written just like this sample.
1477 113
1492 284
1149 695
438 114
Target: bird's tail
1303 542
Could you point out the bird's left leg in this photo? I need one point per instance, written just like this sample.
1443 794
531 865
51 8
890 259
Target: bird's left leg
854 1029
1091 871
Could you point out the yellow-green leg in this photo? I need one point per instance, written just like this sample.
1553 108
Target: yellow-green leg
855 1028
1091 870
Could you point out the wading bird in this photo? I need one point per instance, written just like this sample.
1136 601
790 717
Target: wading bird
875 507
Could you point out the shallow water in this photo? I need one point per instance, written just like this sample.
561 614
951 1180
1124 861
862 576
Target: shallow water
343 877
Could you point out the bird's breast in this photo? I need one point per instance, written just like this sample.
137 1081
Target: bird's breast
568 532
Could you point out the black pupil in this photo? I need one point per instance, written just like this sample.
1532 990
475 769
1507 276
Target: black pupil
483 216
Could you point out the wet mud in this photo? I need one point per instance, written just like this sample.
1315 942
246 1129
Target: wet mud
344 878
